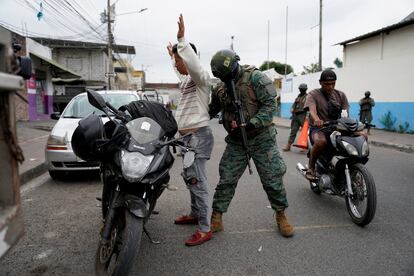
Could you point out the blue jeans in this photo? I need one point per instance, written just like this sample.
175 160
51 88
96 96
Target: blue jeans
202 142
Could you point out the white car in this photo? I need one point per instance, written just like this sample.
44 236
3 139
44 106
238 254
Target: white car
59 155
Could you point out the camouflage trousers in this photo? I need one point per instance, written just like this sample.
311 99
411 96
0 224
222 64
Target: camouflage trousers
295 124
269 164
365 116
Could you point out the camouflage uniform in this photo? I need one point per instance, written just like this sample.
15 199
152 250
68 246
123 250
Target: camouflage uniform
298 116
257 95
365 114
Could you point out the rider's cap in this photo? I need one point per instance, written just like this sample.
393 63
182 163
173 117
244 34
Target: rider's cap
328 75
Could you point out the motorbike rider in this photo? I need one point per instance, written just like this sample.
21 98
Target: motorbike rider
298 115
257 96
324 104
192 117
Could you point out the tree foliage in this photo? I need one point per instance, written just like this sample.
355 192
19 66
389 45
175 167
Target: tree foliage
312 68
279 67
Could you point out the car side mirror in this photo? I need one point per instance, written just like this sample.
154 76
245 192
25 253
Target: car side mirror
55 115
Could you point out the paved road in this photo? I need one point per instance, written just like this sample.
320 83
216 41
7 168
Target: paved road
62 222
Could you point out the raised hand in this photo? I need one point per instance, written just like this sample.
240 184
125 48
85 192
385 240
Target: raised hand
169 48
181 28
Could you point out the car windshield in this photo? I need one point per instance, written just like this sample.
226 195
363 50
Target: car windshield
80 107
151 97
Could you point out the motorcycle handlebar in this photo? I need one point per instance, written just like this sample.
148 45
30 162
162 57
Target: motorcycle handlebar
333 122
118 114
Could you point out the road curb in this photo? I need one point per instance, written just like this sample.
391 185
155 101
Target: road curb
404 148
32 173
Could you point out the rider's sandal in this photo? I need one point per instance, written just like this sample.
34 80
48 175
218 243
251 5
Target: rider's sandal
310 176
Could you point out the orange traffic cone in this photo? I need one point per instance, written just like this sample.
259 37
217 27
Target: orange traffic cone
303 137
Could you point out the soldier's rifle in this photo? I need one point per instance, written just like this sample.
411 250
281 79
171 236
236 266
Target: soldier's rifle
241 121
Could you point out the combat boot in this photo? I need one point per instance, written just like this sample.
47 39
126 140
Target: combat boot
283 224
216 222
287 147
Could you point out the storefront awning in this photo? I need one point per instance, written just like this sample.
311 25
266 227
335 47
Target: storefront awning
59 70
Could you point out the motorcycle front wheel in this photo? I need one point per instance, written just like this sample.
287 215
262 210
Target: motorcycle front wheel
115 258
362 205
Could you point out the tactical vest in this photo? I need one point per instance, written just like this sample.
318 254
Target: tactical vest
249 103
299 104
366 104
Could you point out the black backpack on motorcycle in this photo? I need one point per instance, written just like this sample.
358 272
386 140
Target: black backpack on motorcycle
155 111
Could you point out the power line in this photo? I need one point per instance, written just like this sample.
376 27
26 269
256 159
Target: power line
55 15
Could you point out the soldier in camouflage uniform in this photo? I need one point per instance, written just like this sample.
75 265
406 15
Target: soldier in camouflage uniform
257 95
365 114
298 115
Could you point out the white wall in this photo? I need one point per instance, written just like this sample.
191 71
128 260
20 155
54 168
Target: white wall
388 74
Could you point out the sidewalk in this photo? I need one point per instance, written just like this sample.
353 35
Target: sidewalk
33 136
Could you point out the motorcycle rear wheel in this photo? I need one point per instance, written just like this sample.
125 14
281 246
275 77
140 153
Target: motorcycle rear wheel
116 258
365 195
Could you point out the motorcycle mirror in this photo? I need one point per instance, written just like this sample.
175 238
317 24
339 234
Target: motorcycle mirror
96 99
189 158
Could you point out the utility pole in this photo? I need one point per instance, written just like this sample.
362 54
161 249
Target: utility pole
232 45
110 69
268 42
286 40
320 35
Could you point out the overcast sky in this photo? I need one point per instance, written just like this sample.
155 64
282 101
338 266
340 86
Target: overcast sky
210 25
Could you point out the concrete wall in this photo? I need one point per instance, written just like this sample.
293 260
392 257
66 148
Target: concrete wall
382 65
90 64
21 107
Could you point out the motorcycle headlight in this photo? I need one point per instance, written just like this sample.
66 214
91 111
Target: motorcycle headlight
365 149
134 165
350 148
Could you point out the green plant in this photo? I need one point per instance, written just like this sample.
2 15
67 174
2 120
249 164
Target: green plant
279 67
338 63
388 121
403 128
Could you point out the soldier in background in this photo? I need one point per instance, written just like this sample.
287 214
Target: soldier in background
298 115
365 113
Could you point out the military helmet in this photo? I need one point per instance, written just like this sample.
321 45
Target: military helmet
367 94
303 86
224 63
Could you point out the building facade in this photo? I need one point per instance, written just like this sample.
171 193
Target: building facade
380 62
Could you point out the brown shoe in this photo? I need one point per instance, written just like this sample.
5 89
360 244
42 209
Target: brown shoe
287 147
198 238
216 222
186 219
282 223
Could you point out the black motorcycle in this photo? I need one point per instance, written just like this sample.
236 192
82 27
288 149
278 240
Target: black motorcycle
135 162
341 170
